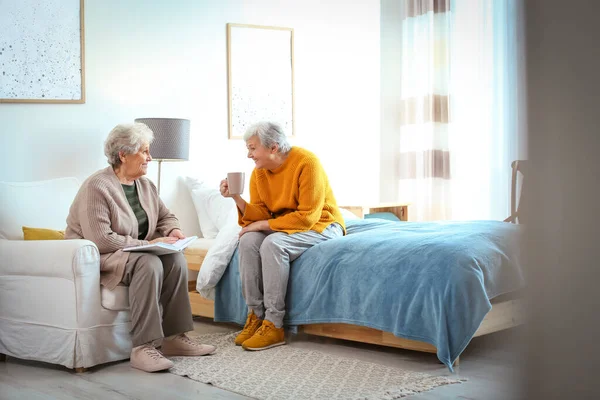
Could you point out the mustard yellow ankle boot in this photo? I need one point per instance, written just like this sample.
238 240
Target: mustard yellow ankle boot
252 325
266 336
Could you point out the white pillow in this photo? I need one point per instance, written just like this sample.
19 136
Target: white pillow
216 260
208 229
214 211
222 210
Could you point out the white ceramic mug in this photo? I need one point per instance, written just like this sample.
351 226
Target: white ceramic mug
235 181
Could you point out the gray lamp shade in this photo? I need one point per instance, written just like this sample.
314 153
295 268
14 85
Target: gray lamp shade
171 138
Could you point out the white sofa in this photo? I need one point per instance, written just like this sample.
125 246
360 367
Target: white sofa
52 307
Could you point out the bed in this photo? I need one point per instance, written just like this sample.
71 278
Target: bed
422 286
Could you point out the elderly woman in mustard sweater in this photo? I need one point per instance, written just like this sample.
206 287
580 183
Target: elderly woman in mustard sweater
291 209
118 207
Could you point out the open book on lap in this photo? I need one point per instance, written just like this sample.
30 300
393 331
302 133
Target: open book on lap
163 248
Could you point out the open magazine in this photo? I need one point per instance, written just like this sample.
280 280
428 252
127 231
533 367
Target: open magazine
163 248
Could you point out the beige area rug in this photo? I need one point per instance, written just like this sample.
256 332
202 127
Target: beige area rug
286 372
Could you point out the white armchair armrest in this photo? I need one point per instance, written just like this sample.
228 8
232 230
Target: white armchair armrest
46 281
50 258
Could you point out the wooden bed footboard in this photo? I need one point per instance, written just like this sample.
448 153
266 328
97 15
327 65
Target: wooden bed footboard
503 315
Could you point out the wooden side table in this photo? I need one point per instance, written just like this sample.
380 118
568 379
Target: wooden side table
398 209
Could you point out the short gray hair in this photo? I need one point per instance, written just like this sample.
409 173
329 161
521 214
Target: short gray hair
269 133
126 138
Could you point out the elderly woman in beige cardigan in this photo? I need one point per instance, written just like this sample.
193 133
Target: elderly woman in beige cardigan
118 207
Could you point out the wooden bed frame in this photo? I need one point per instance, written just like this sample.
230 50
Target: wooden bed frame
505 313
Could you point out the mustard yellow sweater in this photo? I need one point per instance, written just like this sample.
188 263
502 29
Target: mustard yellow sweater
295 197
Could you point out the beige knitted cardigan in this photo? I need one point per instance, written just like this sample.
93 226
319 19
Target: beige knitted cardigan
100 213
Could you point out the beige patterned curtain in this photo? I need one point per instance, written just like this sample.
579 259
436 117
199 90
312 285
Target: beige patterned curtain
424 158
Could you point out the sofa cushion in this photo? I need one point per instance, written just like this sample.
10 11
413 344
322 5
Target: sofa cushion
117 299
43 203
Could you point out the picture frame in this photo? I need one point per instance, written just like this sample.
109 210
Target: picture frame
42 51
260 77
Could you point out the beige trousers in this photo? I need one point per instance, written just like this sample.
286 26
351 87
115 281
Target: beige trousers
154 281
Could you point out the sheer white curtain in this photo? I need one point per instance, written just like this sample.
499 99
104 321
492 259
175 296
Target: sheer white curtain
424 159
487 85
461 94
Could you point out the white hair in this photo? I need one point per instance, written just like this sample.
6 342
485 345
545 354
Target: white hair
269 134
126 138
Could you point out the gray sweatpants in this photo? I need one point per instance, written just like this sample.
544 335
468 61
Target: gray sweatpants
265 267
154 281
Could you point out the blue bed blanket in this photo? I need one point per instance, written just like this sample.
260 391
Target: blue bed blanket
430 281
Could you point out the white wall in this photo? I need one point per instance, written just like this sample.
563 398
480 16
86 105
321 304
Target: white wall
168 59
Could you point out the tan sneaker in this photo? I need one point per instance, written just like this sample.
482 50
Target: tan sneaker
182 345
148 359
266 336
252 325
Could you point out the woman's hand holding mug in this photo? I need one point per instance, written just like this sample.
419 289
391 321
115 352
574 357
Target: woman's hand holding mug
224 188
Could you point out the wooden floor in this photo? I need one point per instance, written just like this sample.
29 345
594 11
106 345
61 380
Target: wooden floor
490 364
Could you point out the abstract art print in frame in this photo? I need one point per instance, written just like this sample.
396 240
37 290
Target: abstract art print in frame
42 51
260 66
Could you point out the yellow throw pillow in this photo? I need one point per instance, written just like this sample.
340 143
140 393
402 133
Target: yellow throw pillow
42 234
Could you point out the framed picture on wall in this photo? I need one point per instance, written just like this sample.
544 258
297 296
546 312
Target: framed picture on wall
260 66
42 51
